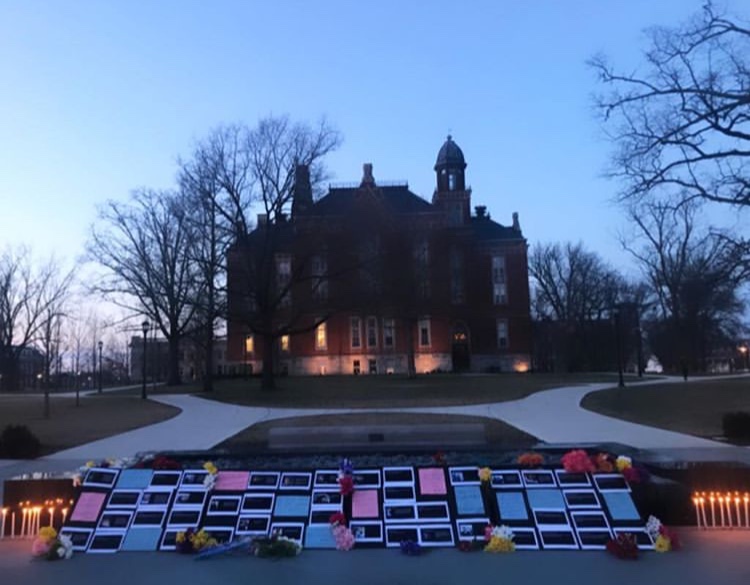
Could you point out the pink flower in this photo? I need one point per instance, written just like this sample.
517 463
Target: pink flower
40 547
343 537
577 461
631 475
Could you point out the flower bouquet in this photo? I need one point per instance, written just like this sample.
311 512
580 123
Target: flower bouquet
275 546
342 534
498 539
190 542
623 547
51 546
209 482
530 460
346 479
577 461
665 539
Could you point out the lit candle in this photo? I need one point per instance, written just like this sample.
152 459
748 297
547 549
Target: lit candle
728 502
64 514
703 511
737 507
37 526
713 514
2 528
696 502
745 499
13 524
721 508
24 515
51 511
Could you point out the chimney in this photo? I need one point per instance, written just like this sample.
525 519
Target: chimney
480 210
262 219
516 224
302 198
367 179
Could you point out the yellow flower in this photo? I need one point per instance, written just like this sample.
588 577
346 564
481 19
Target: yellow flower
180 537
210 467
662 544
623 462
498 544
485 474
90 464
48 533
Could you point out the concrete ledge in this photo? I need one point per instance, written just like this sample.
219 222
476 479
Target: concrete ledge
427 435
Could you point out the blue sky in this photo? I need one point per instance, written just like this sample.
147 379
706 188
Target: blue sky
100 97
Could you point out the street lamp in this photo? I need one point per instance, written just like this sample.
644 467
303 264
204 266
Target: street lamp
144 326
744 351
620 380
101 344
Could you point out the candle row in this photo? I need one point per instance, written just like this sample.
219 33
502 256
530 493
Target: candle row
721 509
31 520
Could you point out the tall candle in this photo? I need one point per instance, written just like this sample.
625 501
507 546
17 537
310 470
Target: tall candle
64 514
12 524
713 514
24 515
697 512
2 528
737 507
51 511
703 511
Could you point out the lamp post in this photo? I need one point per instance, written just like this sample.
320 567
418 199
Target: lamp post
144 326
101 345
744 351
620 380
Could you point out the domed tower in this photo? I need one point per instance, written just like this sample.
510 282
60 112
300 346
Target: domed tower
451 194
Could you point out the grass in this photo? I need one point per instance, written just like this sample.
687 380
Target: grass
496 433
386 391
695 408
97 417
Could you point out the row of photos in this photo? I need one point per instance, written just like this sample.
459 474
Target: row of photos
139 509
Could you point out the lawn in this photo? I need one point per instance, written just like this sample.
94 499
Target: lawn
387 391
496 433
68 426
695 407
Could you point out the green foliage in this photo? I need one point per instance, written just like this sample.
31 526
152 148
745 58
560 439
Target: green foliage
18 442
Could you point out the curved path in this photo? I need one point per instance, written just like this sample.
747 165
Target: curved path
554 416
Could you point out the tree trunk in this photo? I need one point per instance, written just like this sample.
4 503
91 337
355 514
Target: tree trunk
267 378
173 377
411 368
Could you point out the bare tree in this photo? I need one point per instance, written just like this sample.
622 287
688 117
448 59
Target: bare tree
236 169
30 294
575 293
694 275
146 248
682 126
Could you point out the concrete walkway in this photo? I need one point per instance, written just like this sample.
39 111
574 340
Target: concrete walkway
554 416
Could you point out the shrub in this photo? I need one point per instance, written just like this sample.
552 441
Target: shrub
736 425
18 442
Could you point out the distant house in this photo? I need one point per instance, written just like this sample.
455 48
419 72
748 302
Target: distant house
372 276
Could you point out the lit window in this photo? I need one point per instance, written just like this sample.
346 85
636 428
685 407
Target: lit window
372 332
502 333
284 342
424 333
321 339
355 333
249 344
389 333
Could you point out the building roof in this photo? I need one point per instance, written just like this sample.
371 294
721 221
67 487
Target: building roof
396 198
486 229
450 155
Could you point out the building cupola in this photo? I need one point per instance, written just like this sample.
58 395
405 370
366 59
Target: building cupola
450 166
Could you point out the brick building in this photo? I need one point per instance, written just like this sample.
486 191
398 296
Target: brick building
373 279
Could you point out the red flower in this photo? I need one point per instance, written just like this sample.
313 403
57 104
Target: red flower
603 462
439 458
577 461
530 459
346 485
623 547
674 540
337 518
631 475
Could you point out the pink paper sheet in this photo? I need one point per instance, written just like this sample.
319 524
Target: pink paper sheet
432 481
365 504
232 480
88 507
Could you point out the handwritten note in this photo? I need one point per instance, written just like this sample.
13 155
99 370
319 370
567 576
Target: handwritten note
432 481
365 504
88 507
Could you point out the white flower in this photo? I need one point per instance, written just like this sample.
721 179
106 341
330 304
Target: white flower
653 526
209 482
503 532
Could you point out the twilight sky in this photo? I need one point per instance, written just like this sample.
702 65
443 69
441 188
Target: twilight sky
98 97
